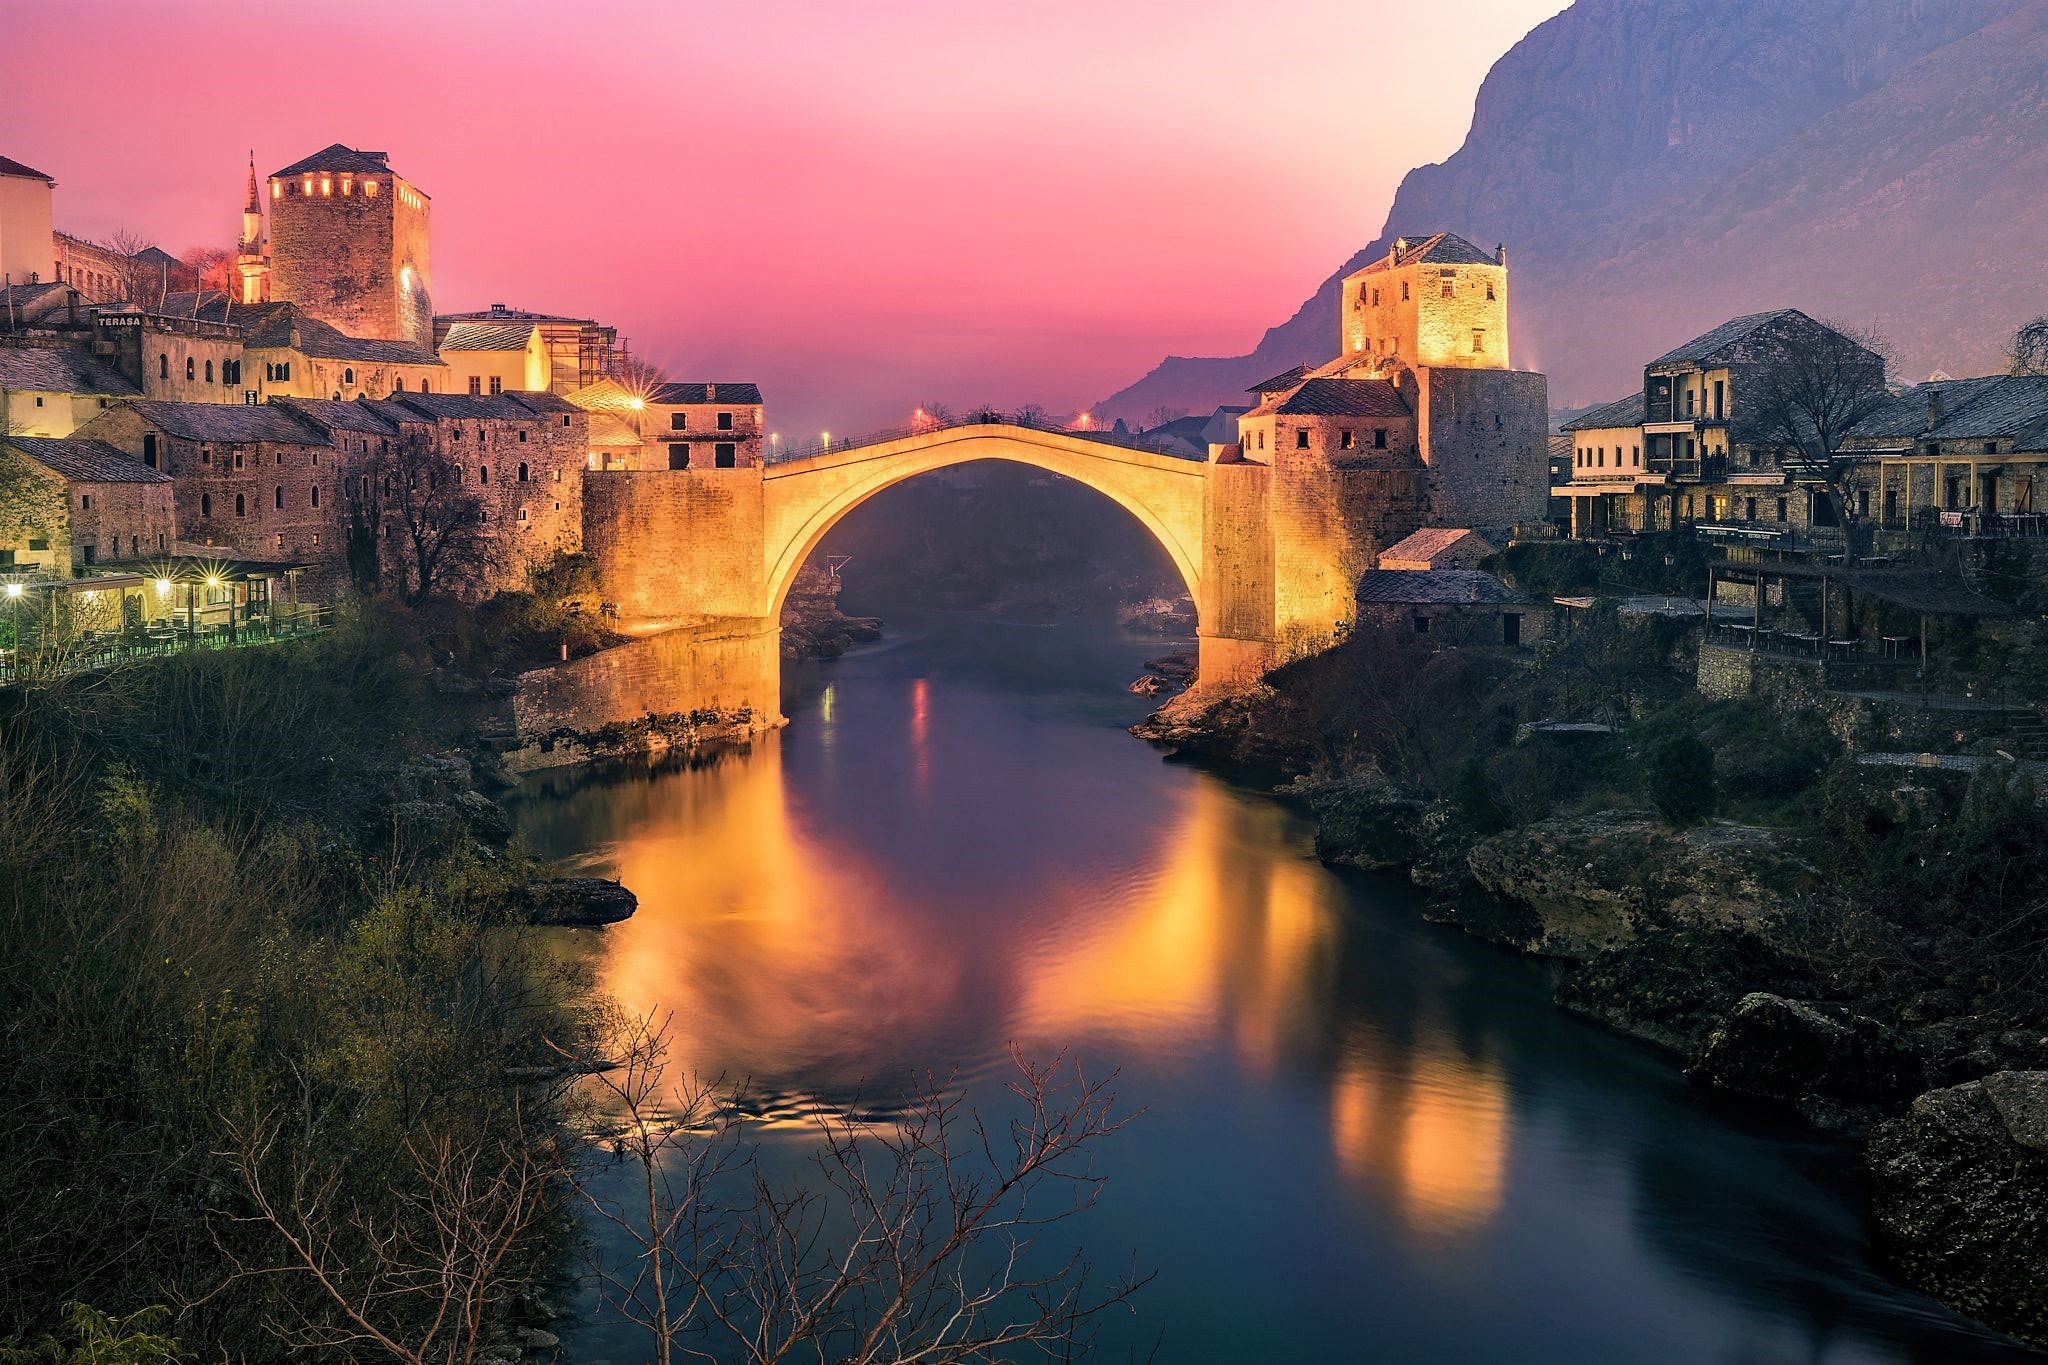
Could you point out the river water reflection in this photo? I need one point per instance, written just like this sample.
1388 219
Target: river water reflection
1365 1138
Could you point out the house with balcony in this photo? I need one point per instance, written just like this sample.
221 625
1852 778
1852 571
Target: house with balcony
1955 458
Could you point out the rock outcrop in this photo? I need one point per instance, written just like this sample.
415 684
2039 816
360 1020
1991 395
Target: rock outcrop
1959 1193
585 902
1662 165
1769 1047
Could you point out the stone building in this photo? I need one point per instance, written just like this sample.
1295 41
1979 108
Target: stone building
50 391
1955 457
349 245
574 352
27 254
1439 547
68 502
256 481
484 358
1420 412
704 425
1698 449
1452 606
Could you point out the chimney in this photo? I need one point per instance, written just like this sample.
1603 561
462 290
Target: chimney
1500 254
1394 252
1934 406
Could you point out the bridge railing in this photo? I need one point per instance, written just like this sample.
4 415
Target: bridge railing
833 445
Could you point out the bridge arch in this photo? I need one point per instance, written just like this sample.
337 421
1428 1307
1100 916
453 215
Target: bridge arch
804 499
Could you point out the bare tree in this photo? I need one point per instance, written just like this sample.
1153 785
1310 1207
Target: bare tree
432 526
1808 391
932 417
1162 415
1034 415
205 267
420 1279
915 1244
142 272
2030 347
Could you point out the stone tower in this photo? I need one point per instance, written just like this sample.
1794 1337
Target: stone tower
348 244
1435 301
252 264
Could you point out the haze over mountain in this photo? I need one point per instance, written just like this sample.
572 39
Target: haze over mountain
1657 166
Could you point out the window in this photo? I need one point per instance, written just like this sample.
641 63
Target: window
209 371
483 473
1375 298
522 435
1404 291
88 553
398 384
1720 398
498 386
280 540
1344 440
370 188
316 495
277 497
558 473
348 375
457 433
1478 340
1301 439
1450 289
238 459
565 419
522 514
191 370
39 400
163 367
85 502
316 537
678 421
149 449
522 471
1379 438
241 506
206 455
1421 624
424 388
1489 291
726 455
476 384
725 421
679 455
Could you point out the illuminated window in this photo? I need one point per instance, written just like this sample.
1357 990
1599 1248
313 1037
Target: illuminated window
190 368
276 190
348 184
307 187
370 188
327 186
1478 340
1344 440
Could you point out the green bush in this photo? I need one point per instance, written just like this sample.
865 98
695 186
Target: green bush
1680 775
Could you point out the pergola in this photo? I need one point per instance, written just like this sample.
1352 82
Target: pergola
1921 592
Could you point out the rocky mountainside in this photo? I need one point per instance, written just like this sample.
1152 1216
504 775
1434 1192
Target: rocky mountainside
1657 166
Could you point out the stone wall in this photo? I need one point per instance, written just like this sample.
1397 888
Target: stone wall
674 543
121 521
357 261
567 712
1485 436
1403 312
32 511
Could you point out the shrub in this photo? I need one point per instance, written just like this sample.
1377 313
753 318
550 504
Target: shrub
1681 778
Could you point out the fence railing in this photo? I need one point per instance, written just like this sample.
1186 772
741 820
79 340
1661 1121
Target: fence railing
833 445
51 656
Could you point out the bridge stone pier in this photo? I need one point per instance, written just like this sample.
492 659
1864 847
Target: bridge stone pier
698 561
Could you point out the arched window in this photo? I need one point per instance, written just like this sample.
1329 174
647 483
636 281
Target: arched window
348 376
398 384
209 371
316 495
424 387
163 367
522 471
278 497
206 504
241 506
191 370
483 473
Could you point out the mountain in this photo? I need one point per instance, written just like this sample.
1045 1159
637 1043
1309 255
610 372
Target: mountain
1658 166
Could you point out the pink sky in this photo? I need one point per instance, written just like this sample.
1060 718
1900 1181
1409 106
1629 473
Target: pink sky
860 205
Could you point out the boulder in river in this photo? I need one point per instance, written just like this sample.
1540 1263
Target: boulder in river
1772 1047
580 901
1959 1194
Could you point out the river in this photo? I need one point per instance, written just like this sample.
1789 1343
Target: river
1364 1137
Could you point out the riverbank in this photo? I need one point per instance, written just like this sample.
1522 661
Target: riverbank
1798 931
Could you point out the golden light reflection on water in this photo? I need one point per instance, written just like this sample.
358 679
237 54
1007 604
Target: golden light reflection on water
792 956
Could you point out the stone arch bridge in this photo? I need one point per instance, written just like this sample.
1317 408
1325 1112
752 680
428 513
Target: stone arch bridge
698 561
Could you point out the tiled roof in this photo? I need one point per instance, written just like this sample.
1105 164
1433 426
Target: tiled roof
2000 406
1622 412
498 312
9 166
1343 398
485 336
1712 345
86 460
1425 587
1432 541
228 422
608 429
1286 379
740 395
274 329
1442 248
344 415
602 395
55 371
503 407
336 157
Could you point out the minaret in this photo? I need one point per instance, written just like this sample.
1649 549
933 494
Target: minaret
252 263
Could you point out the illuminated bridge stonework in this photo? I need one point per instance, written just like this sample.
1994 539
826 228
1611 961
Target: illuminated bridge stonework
698 561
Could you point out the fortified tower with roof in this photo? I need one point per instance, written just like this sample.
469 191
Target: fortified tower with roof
348 245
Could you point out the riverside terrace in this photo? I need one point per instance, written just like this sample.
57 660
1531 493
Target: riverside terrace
49 628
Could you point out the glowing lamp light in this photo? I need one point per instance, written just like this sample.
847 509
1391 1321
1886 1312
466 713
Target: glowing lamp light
14 589
637 404
213 580
163 585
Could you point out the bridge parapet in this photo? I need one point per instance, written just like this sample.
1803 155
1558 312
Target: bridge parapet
828 445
